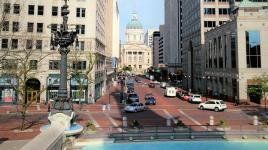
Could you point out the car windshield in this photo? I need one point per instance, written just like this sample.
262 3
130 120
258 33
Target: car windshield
222 102
133 95
150 98
134 104
197 96
149 95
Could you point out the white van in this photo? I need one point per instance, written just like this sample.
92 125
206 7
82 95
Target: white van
170 91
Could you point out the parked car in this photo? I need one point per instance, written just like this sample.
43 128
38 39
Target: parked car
133 97
135 107
163 84
150 101
170 91
137 80
195 98
151 85
213 104
147 95
186 97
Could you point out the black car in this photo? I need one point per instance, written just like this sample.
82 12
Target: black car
130 90
133 97
150 101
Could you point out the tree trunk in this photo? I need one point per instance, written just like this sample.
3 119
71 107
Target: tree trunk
23 117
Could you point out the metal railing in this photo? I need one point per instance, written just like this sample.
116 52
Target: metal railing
178 133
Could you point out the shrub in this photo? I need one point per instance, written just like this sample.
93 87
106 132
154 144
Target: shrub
265 122
90 125
222 123
135 124
179 123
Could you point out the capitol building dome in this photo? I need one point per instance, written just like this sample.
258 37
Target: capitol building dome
134 23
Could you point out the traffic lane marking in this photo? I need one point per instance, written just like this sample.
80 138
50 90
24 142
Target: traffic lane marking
192 119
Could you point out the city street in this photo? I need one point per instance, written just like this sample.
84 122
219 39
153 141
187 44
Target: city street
166 108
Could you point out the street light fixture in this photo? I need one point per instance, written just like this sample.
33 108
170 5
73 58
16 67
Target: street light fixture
63 39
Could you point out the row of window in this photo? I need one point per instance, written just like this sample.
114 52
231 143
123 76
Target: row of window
217 51
80 12
53 64
212 11
80 29
15 44
33 44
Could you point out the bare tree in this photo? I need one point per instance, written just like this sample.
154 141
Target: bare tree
20 56
82 76
22 65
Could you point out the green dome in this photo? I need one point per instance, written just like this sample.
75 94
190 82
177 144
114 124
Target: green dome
134 23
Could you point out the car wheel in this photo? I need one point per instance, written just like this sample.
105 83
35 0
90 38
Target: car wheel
201 107
216 109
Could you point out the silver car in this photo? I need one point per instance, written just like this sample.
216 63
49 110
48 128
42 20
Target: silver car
135 107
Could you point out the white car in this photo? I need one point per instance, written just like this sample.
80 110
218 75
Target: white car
163 84
213 104
195 98
135 107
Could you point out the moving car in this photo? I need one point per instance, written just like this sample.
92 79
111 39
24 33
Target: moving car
195 98
170 91
135 107
151 85
213 104
133 97
150 101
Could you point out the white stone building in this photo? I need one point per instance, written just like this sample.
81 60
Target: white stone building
36 20
135 52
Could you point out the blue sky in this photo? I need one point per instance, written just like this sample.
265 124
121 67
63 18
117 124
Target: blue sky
150 13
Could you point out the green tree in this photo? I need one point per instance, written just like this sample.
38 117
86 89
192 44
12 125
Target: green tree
127 68
261 89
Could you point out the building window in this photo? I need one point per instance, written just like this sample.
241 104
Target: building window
80 65
30 27
39 27
80 12
80 29
54 11
82 45
253 49
54 64
14 43
16 9
224 11
140 66
33 64
15 27
209 11
4 43
40 10
7 8
209 24
9 64
39 44
29 44
5 26
31 10
233 50
54 27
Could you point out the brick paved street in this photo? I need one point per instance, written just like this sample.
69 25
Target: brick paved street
155 116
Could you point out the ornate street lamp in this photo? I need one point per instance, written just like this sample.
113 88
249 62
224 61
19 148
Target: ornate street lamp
63 39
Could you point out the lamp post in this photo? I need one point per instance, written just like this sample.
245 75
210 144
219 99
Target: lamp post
63 39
